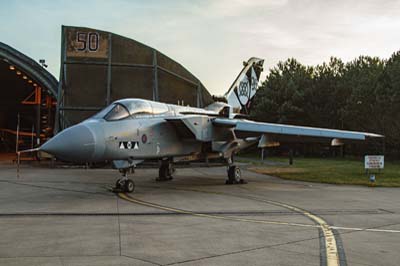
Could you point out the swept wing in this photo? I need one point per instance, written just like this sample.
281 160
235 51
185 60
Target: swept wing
252 128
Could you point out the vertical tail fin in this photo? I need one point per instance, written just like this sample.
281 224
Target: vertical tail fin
243 89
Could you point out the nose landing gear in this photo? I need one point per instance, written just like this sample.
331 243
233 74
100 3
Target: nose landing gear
124 184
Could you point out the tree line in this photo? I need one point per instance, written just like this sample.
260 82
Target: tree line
361 95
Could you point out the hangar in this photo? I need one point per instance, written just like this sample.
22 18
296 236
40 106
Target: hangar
97 68
28 95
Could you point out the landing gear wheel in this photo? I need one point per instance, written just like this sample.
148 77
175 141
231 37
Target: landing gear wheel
234 175
129 186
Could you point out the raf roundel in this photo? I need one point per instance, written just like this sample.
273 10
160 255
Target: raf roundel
144 138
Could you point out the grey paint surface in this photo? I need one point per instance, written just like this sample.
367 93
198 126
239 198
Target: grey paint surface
148 236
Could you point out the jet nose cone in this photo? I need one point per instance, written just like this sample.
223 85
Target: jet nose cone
75 144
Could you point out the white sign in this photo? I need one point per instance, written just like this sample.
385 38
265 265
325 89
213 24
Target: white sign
374 161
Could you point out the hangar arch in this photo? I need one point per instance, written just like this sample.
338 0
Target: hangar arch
28 95
99 67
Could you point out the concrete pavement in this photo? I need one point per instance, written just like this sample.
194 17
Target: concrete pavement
57 216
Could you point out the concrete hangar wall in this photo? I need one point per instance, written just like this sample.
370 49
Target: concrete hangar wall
98 67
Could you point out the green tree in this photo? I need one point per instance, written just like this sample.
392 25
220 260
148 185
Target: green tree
325 98
281 96
387 101
362 95
360 80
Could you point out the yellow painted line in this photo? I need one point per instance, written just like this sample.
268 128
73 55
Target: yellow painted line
332 255
366 229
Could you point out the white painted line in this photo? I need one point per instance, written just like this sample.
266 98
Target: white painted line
365 229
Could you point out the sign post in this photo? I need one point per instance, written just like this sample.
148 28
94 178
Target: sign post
372 162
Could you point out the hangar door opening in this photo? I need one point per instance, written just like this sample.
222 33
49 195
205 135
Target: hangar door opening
27 102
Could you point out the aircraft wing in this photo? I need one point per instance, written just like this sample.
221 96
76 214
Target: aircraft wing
248 128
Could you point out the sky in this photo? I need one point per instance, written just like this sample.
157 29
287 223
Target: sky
212 38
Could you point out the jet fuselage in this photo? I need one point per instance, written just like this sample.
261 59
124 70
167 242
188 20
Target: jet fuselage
137 134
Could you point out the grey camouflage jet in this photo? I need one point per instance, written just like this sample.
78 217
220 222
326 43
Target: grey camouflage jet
131 131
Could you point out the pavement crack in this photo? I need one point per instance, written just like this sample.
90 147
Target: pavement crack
148 261
387 211
246 250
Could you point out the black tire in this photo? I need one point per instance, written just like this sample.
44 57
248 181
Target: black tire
170 171
230 173
234 174
118 185
129 186
163 172
237 175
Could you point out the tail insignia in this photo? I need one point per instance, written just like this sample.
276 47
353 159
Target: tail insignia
245 86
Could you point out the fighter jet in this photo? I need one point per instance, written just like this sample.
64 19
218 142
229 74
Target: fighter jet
132 131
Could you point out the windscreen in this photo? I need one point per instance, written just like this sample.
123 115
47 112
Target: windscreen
103 112
117 113
137 107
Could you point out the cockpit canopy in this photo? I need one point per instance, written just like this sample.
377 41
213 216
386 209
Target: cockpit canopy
136 106
132 108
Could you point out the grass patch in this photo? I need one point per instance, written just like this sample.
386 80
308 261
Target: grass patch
334 171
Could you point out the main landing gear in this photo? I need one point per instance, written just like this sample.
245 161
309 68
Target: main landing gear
234 174
124 184
165 172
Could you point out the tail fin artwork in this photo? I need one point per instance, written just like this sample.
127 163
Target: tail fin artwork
243 89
